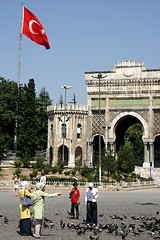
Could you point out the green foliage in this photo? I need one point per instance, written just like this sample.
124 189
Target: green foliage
134 135
46 170
85 171
24 178
27 136
17 163
25 160
67 173
73 171
126 161
42 102
8 99
33 174
17 172
61 100
74 101
31 116
60 166
39 164
60 170
108 163
54 169
78 164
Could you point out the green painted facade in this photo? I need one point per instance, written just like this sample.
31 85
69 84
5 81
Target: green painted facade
128 102
156 101
95 102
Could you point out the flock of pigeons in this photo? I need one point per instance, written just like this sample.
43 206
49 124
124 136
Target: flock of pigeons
142 224
139 225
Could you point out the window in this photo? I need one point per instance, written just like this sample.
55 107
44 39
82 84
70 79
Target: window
79 130
63 130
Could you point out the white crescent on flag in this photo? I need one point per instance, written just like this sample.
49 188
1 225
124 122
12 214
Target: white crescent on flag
30 26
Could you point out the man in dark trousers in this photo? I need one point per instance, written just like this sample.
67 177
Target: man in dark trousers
74 195
91 204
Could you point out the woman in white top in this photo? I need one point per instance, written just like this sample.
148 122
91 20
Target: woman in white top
91 203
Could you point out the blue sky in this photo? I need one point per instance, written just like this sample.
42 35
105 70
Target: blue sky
85 35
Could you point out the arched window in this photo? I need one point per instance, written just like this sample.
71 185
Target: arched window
63 130
79 131
78 156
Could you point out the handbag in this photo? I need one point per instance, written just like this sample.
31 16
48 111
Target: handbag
26 201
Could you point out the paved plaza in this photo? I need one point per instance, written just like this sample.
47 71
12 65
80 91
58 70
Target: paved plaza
130 203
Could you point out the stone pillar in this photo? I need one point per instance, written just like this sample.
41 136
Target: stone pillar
151 154
146 163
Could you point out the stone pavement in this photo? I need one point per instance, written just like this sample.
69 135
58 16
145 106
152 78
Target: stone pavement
129 203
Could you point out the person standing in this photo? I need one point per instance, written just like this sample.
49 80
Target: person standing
38 206
16 185
91 204
25 218
75 195
43 178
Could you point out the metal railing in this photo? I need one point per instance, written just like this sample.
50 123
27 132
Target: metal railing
85 184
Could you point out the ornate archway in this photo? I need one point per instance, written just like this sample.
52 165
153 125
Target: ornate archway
66 152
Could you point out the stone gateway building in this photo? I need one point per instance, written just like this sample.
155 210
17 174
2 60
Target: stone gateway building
129 93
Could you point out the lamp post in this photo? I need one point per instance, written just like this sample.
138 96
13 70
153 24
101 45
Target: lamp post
64 117
88 152
99 76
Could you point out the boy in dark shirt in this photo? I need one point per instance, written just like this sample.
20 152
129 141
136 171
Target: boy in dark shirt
74 195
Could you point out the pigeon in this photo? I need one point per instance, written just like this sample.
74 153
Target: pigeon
80 232
6 220
51 225
45 225
47 220
101 215
57 213
63 226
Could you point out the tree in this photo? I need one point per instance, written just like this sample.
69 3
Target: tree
134 135
43 101
126 161
74 101
108 162
61 100
27 130
8 100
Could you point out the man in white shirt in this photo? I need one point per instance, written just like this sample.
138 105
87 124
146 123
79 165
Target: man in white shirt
91 203
43 178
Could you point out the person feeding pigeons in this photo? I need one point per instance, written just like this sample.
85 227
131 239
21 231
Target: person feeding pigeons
25 218
91 204
38 206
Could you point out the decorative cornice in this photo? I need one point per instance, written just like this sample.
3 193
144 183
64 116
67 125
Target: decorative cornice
124 82
129 64
113 92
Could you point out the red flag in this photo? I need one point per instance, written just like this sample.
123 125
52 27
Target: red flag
33 29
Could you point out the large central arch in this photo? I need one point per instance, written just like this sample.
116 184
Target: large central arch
112 131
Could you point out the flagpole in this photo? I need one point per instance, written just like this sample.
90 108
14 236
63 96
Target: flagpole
18 81
20 41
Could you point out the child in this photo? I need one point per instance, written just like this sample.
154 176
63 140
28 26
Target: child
38 206
74 195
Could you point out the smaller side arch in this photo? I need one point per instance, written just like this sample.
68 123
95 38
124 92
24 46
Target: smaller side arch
78 156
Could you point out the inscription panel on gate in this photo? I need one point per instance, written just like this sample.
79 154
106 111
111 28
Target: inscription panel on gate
128 102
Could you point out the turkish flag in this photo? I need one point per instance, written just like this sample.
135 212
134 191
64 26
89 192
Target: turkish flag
33 29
